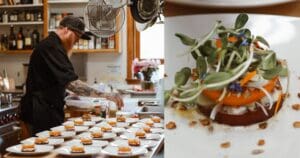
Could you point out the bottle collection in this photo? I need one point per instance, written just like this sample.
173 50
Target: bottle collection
24 39
96 43
18 2
20 16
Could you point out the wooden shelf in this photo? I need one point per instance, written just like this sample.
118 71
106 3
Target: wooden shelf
21 6
66 1
96 51
16 52
23 23
75 51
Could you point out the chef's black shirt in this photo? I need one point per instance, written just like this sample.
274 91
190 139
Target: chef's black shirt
50 70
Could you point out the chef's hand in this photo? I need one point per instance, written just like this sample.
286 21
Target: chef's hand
115 97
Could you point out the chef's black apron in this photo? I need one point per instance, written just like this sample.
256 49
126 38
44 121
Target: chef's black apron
50 70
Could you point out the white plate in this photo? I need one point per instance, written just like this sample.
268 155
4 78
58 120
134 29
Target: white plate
144 120
93 118
148 136
153 130
85 123
64 134
96 143
119 124
39 149
52 141
141 124
128 120
232 3
76 129
198 140
106 136
140 92
113 151
144 143
114 129
89 150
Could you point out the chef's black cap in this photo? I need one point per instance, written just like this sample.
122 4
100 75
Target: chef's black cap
75 24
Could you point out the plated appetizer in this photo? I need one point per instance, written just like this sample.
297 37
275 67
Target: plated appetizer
236 79
28 147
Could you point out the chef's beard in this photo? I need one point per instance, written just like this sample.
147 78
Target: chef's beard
69 53
68 45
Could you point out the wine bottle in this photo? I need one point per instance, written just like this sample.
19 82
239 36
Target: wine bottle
20 39
35 38
28 41
12 39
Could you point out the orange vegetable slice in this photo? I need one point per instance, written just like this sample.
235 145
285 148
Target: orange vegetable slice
219 43
247 78
236 100
232 39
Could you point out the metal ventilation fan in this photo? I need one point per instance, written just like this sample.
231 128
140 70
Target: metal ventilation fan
106 17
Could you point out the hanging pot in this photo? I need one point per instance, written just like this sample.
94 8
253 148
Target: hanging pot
144 10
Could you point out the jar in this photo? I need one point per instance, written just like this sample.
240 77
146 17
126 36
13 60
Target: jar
27 16
103 109
5 17
58 18
97 110
5 42
112 110
1 42
104 42
52 21
35 16
12 17
32 16
15 16
111 42
39 16
21 16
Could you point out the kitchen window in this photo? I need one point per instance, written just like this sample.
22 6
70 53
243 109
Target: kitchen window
148 44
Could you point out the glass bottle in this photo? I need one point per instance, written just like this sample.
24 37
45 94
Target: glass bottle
21 16
28 42
112 110
5 42
1 43
5 17
12 39
52 21
98 43
104 42
11 17
27 16
35 38
17 1
111 42
20 39
58 18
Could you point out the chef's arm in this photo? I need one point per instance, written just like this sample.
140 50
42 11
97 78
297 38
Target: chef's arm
82 89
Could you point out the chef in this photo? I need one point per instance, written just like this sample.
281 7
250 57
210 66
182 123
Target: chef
50 73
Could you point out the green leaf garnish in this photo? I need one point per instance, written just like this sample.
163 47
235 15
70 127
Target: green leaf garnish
186 39
241 20
262 40
182 76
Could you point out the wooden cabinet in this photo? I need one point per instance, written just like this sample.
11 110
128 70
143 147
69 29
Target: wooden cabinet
76 7
37 10
48 7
